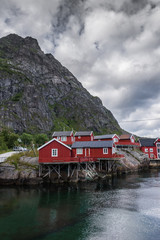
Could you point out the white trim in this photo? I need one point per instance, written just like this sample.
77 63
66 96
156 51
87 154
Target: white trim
146 150
115 135
104 150
79 149
64 138
88 152
54 139
56 150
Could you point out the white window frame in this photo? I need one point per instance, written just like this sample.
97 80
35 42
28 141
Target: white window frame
79 137
105 150
54 152
115 139
79 151
151 150
58 138
132 140
64 139
152 155
146 150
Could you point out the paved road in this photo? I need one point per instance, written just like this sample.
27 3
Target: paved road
3 156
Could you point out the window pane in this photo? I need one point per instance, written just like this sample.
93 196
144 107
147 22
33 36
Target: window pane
54 152
79 151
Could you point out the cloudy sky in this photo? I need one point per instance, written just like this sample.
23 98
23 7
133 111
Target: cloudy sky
111 46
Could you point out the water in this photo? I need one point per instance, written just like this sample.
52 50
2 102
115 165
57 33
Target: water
125 208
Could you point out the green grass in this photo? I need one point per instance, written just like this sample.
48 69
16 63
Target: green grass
15 159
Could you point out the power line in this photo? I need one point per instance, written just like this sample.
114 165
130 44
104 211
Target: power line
141 120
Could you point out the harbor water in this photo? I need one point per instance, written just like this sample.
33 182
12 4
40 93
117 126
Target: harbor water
121 208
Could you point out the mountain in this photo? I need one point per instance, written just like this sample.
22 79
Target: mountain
38 94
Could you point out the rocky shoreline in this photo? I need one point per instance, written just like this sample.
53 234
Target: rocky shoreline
26 171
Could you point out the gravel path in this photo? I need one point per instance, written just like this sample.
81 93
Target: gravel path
3 156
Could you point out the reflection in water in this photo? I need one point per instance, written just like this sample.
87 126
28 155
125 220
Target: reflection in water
120 208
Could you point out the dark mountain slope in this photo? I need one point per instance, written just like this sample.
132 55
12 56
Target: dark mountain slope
38 94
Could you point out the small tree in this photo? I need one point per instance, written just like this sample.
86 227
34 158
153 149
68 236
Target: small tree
12 140
26 139
40 139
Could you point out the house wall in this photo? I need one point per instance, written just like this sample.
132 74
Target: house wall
45 153
83 138
148 152
69 140
94 152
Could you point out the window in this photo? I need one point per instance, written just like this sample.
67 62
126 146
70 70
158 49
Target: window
146 149
151 149
105 150
151 155
63 139
54 152
79 150
146 155
132 140
115 140
58 138
79 137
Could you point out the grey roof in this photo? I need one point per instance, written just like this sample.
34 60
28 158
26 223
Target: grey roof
83 133
92 144
63 133
107 136
147 142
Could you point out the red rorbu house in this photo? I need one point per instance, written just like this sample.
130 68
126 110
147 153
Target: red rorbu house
84 136
127 140
64 136
54 151
151 147
107 137
93 149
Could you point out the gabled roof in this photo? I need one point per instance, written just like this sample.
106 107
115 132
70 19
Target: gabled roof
52 140
107 136
125 137
83 133
147 142
92 144
62 134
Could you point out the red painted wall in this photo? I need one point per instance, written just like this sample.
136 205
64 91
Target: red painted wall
83 138
45 153
149 153
69 140
94 152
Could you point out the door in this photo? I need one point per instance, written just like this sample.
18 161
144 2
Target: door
87 152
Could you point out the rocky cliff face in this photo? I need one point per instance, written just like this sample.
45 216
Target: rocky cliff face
38 94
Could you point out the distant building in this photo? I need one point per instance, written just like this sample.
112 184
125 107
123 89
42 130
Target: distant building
84 136
151 147
107 137
66 137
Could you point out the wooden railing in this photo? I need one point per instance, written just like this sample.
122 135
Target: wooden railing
76 159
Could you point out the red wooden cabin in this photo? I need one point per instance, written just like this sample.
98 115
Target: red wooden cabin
93 149
84 136
107 137
54 151
151 147
66 137
127 139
